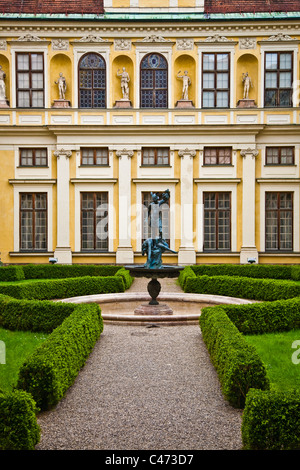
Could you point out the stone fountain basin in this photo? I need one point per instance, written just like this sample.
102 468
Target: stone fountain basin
119 308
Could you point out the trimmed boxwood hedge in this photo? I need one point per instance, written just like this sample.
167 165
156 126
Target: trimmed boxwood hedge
271 420
11 273
248 288
54 365
18 424
62 271
61 288
32 315
262 271
237 363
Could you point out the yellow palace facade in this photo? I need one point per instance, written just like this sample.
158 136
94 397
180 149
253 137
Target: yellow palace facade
99 108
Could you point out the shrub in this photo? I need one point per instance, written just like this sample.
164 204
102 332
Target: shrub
249 288
271 420
32 315
18 424
125 275
53 367
238 365
61 271
187 272
259 318
262 271
62 288
11 273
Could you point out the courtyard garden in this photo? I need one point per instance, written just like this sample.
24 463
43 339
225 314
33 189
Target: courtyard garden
253 347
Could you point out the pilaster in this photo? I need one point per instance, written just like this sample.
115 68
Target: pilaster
248 249
124 253
63 251
187 252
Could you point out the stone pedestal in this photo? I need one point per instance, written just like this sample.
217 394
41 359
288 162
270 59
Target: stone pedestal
184 104
61 104
123 104
246 103
4 104
160 309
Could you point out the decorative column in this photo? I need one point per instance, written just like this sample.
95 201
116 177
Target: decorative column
187 252
248 250
63 251
124 251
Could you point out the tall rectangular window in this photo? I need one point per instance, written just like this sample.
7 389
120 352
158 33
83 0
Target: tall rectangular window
33 222
30 80
217 156
33 157
215 80
278 79
94 156
217 221
279 155
279 221
155 156
94 221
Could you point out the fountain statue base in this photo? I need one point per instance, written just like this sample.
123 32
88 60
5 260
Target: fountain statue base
154 287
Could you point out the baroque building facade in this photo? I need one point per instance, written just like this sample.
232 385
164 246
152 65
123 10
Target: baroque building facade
103 103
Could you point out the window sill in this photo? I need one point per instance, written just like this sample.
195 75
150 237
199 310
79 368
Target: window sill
31 253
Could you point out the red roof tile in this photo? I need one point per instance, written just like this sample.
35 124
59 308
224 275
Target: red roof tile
250 6
51 6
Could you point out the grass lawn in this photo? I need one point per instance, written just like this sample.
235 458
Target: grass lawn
18 346
276 351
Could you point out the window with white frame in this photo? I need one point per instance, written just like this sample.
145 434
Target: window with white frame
217 221
279 221
33 222
30 79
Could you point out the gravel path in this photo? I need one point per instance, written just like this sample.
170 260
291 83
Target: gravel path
144 389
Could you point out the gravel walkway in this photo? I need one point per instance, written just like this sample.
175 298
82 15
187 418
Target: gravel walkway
144 389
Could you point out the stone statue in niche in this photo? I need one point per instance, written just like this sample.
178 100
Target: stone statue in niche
246 102
125 79
184 102
247 85
62 86
185 85
3 100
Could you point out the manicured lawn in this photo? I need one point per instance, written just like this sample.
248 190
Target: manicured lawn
18 346
277 352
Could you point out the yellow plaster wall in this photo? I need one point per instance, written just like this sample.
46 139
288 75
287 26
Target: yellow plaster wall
6 205
121 3
60 63
184 62
118 63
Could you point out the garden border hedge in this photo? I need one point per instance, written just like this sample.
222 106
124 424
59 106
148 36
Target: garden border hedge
270 418
52 368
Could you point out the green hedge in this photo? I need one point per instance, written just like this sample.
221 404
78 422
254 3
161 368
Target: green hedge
11 273
125 275
271 420
186 273
262 271
62 271
53 366
32 315
248 288
62 288
265 317
18 424
237 363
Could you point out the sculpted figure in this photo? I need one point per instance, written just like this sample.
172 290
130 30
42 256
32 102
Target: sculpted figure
2 84
125 79
185 85
247 85
62 86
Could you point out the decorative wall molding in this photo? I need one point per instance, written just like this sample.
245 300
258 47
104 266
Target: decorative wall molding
60 45
61 152
3 45
124 152
155 38
91 38
247 43
184 44
122 44
249 151
190 152
29 38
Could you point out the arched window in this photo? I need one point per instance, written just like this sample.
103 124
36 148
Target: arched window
154 82
92 81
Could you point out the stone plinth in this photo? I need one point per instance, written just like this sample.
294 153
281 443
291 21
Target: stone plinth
160 309
184 104
61 104
123 104
4 104
246 103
